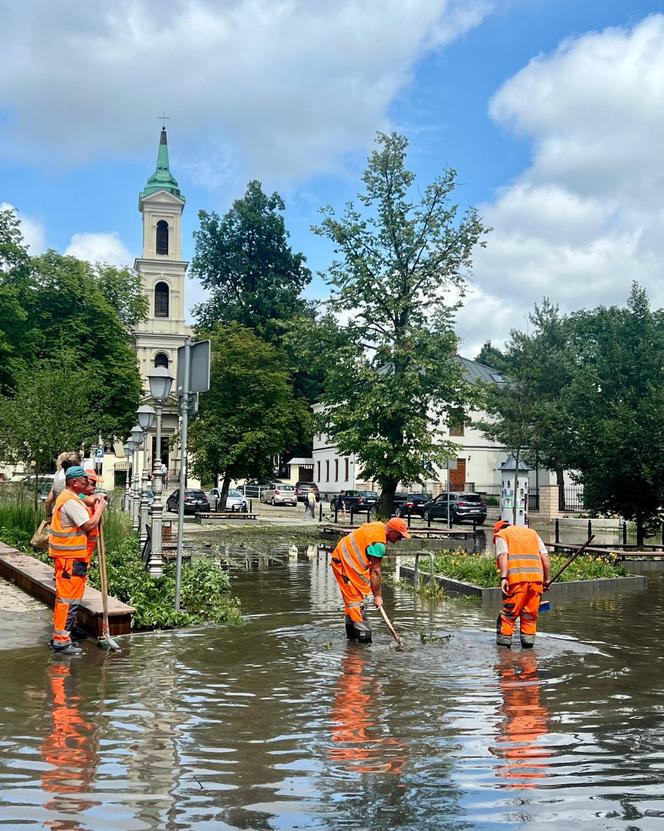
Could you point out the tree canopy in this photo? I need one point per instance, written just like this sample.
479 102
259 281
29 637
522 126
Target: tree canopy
400 256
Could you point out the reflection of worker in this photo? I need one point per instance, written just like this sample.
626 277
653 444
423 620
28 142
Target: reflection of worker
357 563
355 732
525 571
524 723
70 546
68 750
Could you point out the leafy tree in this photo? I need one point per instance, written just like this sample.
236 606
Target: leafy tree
490 355
48 413
53 303
399 257
617 406
244 259
529 410
250 412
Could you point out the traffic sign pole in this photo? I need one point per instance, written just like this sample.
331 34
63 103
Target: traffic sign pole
184 410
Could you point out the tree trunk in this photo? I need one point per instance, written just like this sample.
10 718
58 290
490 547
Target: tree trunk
639 530
386 501
221 506
560 481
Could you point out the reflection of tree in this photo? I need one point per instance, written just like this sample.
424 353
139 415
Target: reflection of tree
524 723
70 750
356 729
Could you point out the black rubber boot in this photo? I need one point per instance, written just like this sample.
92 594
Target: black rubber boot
363 630
527 641
351 634
502 640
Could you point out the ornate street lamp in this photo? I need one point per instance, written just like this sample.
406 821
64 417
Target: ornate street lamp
146 417
137 440
160 388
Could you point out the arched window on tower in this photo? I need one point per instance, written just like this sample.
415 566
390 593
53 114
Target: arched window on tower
162 237
161 359
161 300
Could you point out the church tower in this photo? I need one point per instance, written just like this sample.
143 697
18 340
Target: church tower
162 271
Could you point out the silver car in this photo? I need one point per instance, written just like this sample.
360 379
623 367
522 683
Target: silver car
235 500
279 493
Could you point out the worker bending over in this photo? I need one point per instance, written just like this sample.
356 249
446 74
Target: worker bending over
357 563
525 572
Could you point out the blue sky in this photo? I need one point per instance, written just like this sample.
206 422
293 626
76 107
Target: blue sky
552 119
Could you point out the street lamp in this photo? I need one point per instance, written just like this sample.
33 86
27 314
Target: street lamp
137 440
146 416
160 387
128 448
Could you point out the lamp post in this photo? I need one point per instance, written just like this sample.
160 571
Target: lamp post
160 388
128 451
137 438
146 417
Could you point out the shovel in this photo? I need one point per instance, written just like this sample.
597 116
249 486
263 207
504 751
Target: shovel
545 605
389 626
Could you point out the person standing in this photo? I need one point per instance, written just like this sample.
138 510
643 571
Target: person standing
63 462
525 572
70 546
311 502
357 566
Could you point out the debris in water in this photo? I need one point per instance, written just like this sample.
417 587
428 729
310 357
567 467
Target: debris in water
431 637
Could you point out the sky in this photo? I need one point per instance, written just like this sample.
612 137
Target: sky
551 111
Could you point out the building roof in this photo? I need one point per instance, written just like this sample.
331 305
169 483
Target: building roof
162 178
474 371
300 460
510 464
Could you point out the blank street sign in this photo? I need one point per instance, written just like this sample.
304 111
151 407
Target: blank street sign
199 367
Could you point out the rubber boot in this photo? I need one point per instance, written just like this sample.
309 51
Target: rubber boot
363 631
351 634
527 641
503 640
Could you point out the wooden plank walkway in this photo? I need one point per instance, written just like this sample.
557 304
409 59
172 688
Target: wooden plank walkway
37 579
416 533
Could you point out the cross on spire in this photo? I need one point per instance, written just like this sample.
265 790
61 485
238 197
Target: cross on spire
164 118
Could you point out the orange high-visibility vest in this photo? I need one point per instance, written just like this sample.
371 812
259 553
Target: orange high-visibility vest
352 551
524 561
66 542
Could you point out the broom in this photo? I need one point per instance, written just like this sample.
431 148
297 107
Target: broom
545 605
106 641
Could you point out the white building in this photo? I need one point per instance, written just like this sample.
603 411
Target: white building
478 458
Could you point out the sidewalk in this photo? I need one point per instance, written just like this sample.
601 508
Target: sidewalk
24 621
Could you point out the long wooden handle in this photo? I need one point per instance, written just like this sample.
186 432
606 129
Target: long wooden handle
389 625
573 557
103 579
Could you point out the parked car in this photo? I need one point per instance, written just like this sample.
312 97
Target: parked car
235 500
253 490
279 493
413 503
302 491
359 500
463 507
194 501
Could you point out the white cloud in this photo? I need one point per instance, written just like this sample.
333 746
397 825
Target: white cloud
33 231
291 85
586 217
100 247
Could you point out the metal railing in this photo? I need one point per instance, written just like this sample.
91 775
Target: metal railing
574 498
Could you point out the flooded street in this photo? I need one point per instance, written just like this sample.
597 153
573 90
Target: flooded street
280 724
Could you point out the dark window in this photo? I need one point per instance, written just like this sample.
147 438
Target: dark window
336 470
327 470
161 359
347 471
162 237
457 427
161 300
318 477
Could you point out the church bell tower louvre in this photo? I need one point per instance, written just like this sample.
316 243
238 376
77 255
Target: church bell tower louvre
162 271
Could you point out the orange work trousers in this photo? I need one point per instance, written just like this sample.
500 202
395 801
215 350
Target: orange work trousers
353 598
71 575
522 603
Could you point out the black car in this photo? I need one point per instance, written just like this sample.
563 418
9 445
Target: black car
410 503
358 500
194 501
463 507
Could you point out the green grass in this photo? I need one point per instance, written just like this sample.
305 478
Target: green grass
480 569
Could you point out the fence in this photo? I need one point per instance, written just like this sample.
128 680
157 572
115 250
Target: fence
573 498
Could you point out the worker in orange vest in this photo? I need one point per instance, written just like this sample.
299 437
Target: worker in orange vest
525 572
356 564
69 546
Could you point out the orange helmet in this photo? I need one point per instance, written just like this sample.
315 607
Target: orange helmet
399 525
502 523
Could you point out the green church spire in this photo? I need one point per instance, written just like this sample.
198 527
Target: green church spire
162 178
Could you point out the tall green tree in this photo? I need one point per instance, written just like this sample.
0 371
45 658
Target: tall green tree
250 412
244 259
617 405
393 384
46 414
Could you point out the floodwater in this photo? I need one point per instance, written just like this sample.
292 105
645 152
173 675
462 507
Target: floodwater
281 724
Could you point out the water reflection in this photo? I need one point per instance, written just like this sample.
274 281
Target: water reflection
360 739
69 750
521 743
